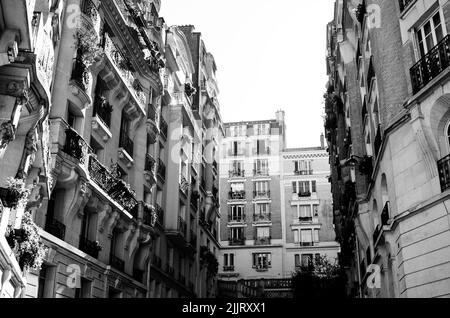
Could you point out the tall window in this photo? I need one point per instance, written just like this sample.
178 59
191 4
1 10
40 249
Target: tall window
303 167
237 233
430 34
262 232
261 188
297 260
306 237
307 259
261 166
125 141
237 166
262 208
305 211
237 213
261 147
262 260
228 260
42 281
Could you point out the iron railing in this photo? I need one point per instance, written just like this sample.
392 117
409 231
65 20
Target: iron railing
236 241
56 228
262 217
76 146
261 194
260 172
161 169
431 65
305 219
238 195
89 247
236 173
79 73
240 218
263 240
229 268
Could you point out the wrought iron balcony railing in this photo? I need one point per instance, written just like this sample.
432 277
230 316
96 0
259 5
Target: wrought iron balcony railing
76 146
238 218
79 73
163 127
431 65
238 195
88 8
262 217
229 268
159 214
260 172
117 263
114 187
305 219
261 194
150 163
56 228
263 240
89 247
304 194
161 169
237 173
236 241
303 172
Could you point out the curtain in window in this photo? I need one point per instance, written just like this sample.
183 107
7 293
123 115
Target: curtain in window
305 211
306 236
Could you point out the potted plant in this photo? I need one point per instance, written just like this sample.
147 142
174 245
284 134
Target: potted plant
15 193
26 244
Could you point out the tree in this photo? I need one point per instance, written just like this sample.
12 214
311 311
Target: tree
321 278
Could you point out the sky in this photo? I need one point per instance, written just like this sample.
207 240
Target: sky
270 55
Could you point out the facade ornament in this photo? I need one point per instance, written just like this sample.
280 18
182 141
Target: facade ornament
7 134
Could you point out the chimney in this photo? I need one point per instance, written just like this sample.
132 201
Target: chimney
280 116
322 141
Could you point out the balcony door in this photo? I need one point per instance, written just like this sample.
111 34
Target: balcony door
430 33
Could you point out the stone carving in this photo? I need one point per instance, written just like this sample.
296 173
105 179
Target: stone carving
7 134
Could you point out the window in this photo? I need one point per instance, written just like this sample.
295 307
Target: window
261 188
71 119
313 186
430 34
125 141
261 208
296 236
237 212
236 148
42 281
261 167
297 260
302 167
228 260
316 236
85 289
303 186
261 147
305 211
237 187
262 129
237 167
307 259
306 237
316 209
262 260
237 233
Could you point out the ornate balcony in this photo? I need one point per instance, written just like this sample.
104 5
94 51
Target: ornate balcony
114 187
303 172
262 217
56 229
75 146
80 74
260 172
159 214
239 218
431 65
229 268
89 247
236 174
261 194
305 219
263 240
238 195
117 263
90 19
149 170
304 194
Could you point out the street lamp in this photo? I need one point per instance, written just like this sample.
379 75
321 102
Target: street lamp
352 162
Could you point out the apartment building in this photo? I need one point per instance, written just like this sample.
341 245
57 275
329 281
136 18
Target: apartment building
110 120
387 131
262 183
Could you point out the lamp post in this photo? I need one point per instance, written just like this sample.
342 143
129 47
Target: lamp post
352 162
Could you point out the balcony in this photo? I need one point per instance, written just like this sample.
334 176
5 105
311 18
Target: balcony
182 226
260 172
56 229
236 174
304 194
305 219
261 152
149 170
236 218
404 4
431 65
262 217
235 153
306 243
117 263
152 126
89 247
80 75
184 185
160 214
236 241
90 17
238 195
76 147
263 240
156 261
303 172
261 194
148 217
228 268
161 170
114 187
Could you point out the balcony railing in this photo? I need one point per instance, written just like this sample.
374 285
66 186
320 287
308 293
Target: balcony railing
238 195
237 218
160 214
113 186
236 241
303 172
306 243
261 152
229 268
75 146
56 229
263 240
161 169
305 219
79 73
236 173
385 214
148 216
431 65
126 143
102 109
235 153
117 263
261 194
89 247
260 172
163 127
88 8
182 226
404 4
262 217
304 194
150 163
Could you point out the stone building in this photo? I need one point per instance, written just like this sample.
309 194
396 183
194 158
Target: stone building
109 114
387 131
261 184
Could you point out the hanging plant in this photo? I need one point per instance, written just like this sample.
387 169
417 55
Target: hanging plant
26 244
88 47
15 193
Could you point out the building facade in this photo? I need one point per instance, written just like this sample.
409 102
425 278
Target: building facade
107 115
387 131
262 183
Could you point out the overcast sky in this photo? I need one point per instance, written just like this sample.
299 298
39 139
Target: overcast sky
270 55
